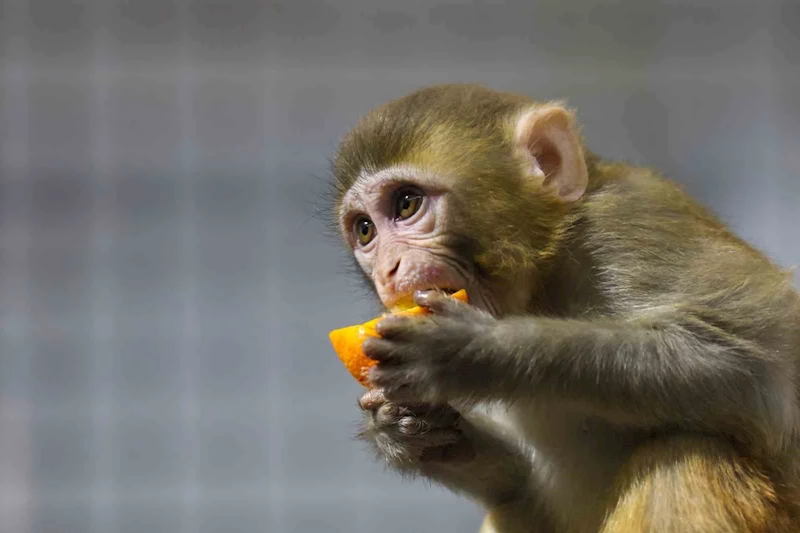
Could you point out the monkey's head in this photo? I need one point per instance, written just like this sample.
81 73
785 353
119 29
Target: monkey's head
458 186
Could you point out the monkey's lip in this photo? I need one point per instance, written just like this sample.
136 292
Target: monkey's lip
441 289
406 300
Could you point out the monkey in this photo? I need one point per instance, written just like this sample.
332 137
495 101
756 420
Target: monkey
626 362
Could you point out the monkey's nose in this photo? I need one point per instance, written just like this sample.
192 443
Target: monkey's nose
394 269
389 269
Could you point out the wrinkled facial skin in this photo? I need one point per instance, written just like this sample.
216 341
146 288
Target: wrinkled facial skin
403 227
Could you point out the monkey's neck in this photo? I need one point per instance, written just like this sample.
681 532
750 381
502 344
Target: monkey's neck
568 285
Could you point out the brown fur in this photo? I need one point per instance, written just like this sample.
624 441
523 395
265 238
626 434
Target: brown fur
695 485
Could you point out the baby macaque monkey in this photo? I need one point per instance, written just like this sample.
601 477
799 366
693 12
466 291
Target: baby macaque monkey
626 364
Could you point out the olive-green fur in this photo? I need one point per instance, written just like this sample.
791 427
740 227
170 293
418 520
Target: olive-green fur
465 132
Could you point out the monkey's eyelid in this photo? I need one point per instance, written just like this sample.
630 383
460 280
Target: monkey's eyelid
403 192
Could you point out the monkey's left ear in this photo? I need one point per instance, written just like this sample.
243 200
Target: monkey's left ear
547 134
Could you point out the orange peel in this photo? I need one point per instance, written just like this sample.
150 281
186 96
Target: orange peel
347 341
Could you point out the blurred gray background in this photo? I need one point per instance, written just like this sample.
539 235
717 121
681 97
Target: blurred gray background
165 293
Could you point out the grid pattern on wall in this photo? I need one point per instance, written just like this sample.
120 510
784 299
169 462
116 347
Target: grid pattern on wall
165 290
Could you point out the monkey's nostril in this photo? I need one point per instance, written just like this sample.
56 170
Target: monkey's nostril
394 270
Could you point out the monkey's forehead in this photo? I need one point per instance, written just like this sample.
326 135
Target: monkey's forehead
369 184
383 142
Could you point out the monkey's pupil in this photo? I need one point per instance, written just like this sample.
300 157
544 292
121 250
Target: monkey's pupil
364 228
406 203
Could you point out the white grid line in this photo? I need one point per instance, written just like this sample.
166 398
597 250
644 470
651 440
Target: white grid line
274 386
189 408
102 306
18 499
566 73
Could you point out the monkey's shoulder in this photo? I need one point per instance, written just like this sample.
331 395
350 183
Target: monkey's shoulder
645 196
648 238
633 209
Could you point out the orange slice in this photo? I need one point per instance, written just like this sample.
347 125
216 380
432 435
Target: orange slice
347 341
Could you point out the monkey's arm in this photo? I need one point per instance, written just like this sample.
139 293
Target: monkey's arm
676 369
660 371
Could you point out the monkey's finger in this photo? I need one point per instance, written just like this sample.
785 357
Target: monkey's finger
388 414
380 350
372 400
411 424
427 410
375 400
440 304
435 419
396 327
431 438
399 387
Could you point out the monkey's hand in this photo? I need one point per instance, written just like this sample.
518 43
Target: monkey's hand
464 453
434 358
406 436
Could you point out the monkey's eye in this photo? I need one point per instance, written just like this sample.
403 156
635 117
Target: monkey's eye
364 229
407 203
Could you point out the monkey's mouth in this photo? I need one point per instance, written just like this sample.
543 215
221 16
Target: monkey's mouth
406 301
448 292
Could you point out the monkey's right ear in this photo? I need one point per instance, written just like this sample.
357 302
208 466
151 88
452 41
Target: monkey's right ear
547 134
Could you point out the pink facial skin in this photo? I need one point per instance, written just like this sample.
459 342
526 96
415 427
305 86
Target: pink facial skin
405 255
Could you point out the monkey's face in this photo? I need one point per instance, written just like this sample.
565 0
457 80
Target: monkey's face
401 225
